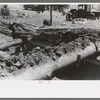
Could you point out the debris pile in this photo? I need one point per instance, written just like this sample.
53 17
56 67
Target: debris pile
40 56
80 41
22 28
65 42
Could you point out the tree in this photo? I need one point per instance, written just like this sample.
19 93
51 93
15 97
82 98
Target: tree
5 11
42 8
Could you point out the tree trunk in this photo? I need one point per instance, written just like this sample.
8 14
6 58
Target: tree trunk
50 15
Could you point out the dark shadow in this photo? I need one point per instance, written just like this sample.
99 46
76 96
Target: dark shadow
89 69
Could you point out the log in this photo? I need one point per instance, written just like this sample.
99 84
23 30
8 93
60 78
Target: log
14 42
25 27
5 31
23 33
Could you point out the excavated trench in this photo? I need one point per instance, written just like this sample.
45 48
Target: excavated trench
88 67
63 53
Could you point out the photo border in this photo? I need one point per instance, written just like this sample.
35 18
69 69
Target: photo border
95 87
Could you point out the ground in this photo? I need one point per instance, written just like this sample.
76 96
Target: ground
36 20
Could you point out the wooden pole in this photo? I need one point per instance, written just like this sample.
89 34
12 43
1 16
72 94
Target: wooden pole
51 15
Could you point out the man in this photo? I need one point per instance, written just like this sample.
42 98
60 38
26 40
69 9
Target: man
12 27
17 34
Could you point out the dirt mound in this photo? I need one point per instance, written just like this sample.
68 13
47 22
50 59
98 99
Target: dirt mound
80 40
70 41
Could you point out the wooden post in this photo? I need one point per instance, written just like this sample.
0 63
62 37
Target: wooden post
78 61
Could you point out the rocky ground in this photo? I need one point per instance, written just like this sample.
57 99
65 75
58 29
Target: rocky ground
67 37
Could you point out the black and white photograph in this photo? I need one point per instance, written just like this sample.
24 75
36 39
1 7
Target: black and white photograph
49 41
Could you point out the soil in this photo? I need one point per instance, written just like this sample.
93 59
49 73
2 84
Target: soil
64 36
